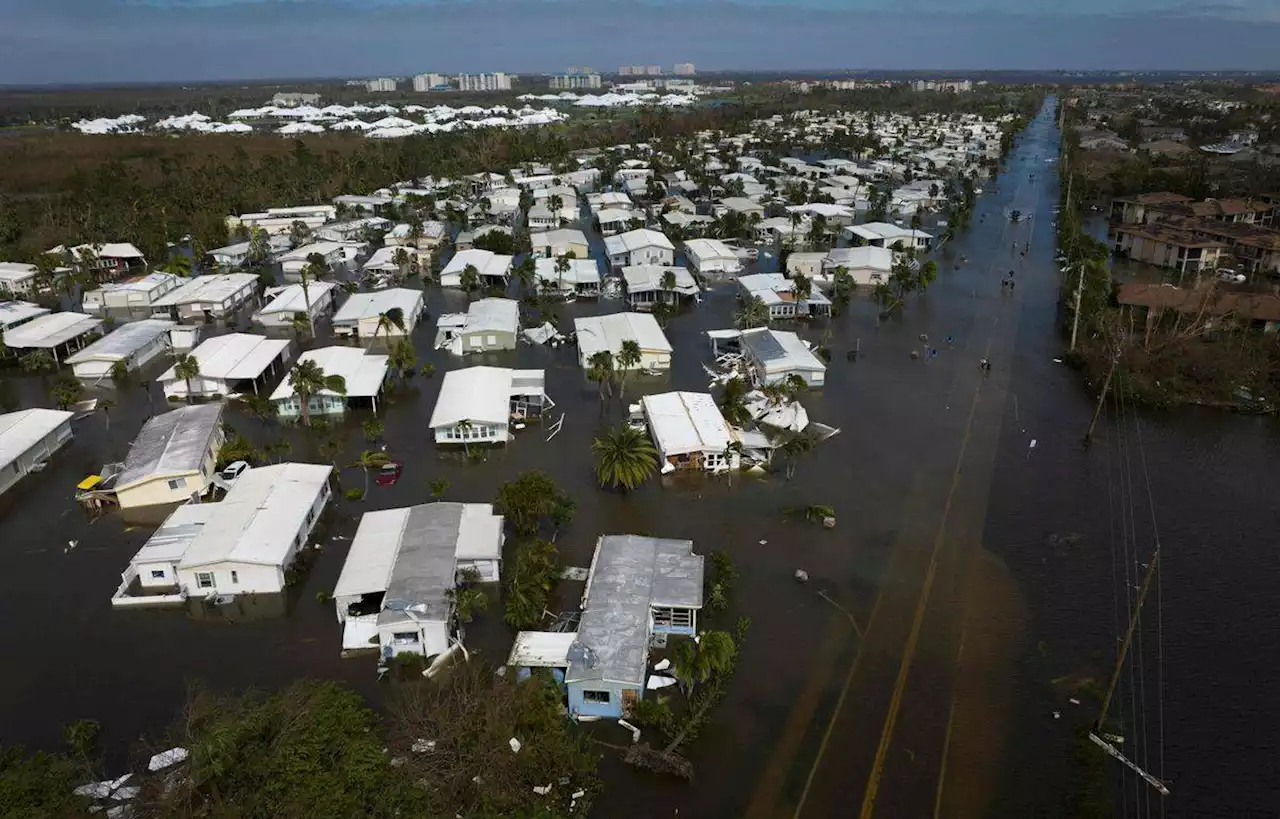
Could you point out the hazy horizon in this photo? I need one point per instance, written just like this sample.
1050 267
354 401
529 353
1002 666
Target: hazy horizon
140 41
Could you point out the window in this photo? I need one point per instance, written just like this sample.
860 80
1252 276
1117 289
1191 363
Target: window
204 580
476 341
178 483
669 618
235 577
157 574
492 341
600 697
405 637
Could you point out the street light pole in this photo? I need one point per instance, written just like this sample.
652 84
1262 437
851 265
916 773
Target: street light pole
1075 320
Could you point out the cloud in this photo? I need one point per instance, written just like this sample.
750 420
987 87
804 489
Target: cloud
65 41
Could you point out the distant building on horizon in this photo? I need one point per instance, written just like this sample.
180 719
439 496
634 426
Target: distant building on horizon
954 86
485 82
580 69
429 82
381 85
683 70
569 82
290 99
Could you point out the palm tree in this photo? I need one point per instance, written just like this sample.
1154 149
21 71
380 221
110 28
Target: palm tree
793 448
315 267
733 402
308 378
600 369
801 286
695 662
391 319
555 203
300 323
628 358
186 367
403 357
668 284
179 265
625 457
527 272
401 259
464 426
298 234
371 459
469 279
754 313
562 267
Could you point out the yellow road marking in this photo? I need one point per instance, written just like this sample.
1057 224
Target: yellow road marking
946 739
904 668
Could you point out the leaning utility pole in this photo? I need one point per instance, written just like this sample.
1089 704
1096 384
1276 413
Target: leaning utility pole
1154 782
1075 320
1102 397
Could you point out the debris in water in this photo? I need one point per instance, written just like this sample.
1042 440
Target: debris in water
1074 701
542 790
573 573
662 665
764 543
421 746
515 745
1057 361
1033 443
1057 715
657 681
166 758
802 575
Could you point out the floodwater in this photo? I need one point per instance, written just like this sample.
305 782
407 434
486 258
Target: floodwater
967 573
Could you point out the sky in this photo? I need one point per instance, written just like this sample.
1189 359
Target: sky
73 41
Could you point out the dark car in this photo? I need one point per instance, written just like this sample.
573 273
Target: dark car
389 474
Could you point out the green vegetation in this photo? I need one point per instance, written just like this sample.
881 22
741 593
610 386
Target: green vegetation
307 378
530 578
624 458
66 390
530 499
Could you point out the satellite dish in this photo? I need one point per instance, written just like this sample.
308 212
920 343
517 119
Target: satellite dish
580 654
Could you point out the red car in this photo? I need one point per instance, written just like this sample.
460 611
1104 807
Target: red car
389 474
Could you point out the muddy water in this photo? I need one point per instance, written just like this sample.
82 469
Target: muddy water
1028 605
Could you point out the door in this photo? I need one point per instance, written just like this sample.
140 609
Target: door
629 697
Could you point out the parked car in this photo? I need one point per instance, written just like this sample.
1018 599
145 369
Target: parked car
1229 275
389 474
234 470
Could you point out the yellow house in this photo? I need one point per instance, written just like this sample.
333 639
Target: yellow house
172 458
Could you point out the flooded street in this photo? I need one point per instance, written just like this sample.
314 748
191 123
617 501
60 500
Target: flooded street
967 572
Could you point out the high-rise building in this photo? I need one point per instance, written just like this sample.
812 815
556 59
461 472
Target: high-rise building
567 82
426 82
579 69
484 82
381 85
683 70
653 70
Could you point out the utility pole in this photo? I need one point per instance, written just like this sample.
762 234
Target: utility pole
1075 319
1106 383
1154 782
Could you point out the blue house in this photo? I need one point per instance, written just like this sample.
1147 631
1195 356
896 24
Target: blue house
637 587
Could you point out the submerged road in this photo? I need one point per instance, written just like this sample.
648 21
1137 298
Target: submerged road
900 716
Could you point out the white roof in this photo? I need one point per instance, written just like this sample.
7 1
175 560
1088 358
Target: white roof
21 430
324 248
16 271
705 249
741 203
106 250
481 394
774 288
371 305
140 284
13 312
51 330
234 357
581 271
856 258
638 239
684 422
596 333
485 262
169 543
821 209
542 649
608 215
373 551
887 231
496 314
260 516
779 350
362 372
213 288
562 236
293 299
124 341
172 443
641 278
